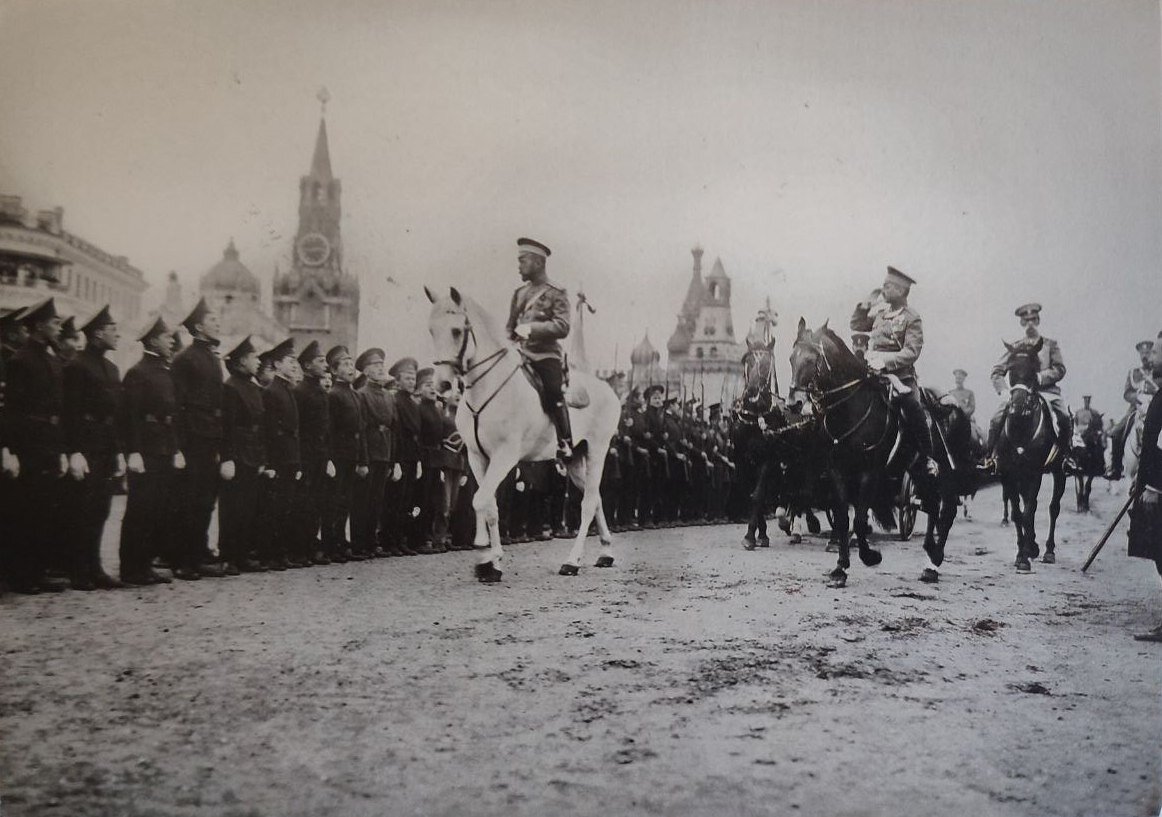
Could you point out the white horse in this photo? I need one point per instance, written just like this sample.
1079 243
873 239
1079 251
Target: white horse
1133 450
502 423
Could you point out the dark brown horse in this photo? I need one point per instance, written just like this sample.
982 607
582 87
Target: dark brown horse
1027 449
868 450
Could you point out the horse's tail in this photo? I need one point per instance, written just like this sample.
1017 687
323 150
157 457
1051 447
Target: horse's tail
883 508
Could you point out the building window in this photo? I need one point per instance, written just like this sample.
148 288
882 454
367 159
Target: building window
698 353
714 351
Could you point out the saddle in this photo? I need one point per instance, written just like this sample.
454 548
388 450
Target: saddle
576 395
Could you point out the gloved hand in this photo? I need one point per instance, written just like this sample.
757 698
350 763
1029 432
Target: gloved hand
419 470
875 361
443 478
11 463
179 461
520 486
78 466
226 469
136 463
330 469
62 466
120 467
463 480
1148 497
523 331
270 473
298 475
361 471
396 473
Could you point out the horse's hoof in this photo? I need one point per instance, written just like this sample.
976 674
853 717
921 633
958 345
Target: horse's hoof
1033 551
870 557
487 573
764 541
748 543
1049 558
604 561
568 570
784 524
832 547
929 576
795 539
836 573
1023 565
1004 523
838 578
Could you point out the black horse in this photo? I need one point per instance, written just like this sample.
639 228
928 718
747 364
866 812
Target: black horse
757 413
868 451
1027 449
1089 452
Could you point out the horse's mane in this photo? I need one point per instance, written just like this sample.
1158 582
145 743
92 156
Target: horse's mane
847 357
481 320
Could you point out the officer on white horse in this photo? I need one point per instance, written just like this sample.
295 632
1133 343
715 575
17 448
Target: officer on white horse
538 319
1140 387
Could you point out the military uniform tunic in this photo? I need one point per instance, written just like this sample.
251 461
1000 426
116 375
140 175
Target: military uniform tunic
244 444
198 383
897 334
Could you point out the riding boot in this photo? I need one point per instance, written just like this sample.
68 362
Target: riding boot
920 431
1065 423
1117 454
560 417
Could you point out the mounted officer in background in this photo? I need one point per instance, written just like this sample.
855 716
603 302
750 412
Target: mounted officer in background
895 340
1052 371
1139 389
538 319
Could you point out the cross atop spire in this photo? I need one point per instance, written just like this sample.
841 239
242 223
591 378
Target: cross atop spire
324 97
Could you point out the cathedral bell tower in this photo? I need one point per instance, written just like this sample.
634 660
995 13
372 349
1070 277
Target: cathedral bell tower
316 299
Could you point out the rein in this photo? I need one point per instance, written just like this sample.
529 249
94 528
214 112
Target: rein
852 387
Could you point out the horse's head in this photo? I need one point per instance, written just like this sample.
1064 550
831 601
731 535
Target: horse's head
759 395
1024 365
452 336
820 360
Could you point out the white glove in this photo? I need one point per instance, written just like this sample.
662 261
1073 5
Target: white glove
298 475
11 463
419 470
875 361
330 469
270 473
120 468
523 331
361 471
78 466
443 478
62 466
396 473
463 480
226 469
1148 497
520 486
136 463
179 461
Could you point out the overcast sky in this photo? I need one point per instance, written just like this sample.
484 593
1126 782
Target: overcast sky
999 152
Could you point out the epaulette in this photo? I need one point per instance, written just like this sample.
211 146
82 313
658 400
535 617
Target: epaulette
551 285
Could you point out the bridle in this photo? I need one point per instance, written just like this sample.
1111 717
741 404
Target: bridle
846 391
489 362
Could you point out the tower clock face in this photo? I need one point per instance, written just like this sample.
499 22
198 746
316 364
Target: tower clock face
314 249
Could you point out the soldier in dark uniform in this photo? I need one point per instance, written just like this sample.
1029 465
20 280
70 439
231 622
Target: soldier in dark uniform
1146 518
93 437
151 440
538 319
198 384
349 436
243 460
315 448
895 343
379 432
34 404
281 416
431 438
1140 388
401 512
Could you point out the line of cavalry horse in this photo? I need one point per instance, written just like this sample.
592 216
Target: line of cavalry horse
837 444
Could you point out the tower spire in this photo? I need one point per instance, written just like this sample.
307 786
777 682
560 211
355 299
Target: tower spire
321 161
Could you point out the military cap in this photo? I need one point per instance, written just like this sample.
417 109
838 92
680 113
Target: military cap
98 321
369 357
10 318
900 278
1087 397
651 390
264 356
311 352
715 408
158 327
425 375
960 372
282 350
241 350
197 316
1145 345
335 354
43 311
402 365
1031 310
69 328
535 247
